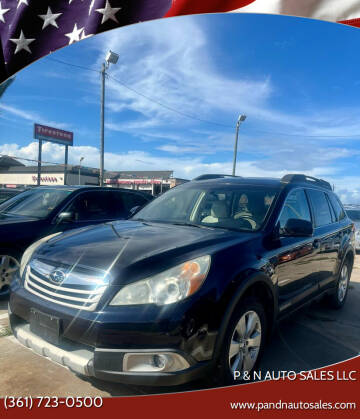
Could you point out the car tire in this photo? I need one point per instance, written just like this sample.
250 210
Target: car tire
243 344
338 297
9 264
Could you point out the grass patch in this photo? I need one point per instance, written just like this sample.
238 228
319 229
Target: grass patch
5 331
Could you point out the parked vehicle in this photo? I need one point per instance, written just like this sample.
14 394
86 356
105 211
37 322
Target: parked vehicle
353 212
7 193
191 286
45 210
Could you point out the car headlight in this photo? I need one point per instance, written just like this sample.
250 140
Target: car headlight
30 251
168 287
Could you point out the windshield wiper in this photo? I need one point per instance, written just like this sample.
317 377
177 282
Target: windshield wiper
191 225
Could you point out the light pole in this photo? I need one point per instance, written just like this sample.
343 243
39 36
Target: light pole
111 58
239 121
81 159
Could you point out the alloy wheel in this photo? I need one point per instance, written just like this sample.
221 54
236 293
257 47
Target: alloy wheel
8 267
245 343
343 283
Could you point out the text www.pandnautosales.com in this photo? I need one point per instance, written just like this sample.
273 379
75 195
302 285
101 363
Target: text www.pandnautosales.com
298 405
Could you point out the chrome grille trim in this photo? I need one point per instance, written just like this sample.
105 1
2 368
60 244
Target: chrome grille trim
60 288
77 296
65 297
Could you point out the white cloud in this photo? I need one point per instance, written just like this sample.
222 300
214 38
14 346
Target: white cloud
31 116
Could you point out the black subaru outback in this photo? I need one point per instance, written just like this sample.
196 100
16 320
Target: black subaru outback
193 283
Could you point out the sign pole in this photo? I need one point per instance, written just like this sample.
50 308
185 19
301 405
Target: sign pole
39 164
66 163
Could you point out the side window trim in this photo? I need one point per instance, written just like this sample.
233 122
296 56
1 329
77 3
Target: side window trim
332 210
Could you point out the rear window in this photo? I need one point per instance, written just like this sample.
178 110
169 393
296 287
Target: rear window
320 207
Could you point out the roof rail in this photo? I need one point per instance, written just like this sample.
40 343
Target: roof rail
295 178
212 176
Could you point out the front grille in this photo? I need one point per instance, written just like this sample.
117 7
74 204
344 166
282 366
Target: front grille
77 290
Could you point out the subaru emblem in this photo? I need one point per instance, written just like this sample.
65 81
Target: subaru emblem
57 276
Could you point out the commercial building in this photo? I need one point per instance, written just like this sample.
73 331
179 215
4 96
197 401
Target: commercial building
152 181
15 174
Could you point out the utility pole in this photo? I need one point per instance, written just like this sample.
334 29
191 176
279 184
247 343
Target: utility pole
239 121
102 122
81 159
111 58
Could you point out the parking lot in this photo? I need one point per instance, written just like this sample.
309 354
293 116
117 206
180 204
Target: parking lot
313 337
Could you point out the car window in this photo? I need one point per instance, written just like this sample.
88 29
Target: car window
95 205
295 206
339 211
131 200
36 203
321 208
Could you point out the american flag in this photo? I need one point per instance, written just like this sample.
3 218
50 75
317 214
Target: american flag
31 29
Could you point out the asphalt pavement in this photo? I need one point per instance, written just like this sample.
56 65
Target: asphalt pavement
310 338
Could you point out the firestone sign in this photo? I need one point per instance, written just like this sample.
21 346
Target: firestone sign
54 135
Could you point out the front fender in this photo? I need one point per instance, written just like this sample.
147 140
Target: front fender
241 290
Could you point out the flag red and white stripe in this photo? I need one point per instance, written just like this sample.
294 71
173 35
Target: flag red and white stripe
344 11
31 29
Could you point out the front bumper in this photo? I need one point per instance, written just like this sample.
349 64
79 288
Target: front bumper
104 364
93 344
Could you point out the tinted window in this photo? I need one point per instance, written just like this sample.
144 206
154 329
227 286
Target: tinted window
132 200
295 206
321 207
37 203
94 205
339 211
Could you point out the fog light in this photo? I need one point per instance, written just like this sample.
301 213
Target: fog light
154 362
160 361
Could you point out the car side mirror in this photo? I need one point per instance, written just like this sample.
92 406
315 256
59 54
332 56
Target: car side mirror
297 228
65 217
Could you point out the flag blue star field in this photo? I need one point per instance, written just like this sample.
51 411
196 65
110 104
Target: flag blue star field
30 29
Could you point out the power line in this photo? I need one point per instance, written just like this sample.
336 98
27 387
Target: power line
72 65
192 116
167 106
30 160
141 94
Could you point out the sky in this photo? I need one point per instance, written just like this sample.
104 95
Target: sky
174 97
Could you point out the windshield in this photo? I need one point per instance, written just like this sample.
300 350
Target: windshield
354 215
36 203
235 207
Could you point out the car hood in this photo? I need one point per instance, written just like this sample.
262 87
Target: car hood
123 245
